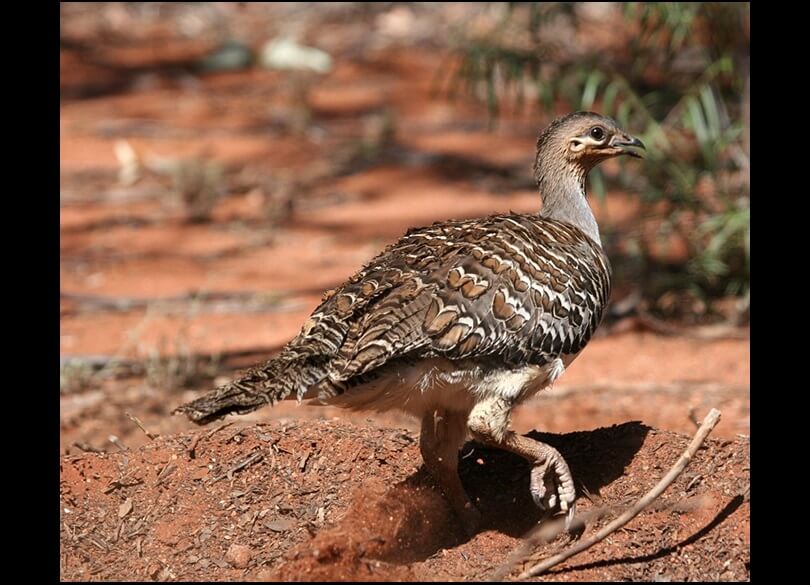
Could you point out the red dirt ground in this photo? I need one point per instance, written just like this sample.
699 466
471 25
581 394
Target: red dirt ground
331 498
327 500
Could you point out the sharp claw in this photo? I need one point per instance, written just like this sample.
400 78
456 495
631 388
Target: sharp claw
569 517
553 488
539 495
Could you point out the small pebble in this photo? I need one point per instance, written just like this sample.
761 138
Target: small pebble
238 555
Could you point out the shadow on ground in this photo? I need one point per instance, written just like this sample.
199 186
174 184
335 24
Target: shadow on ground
411 522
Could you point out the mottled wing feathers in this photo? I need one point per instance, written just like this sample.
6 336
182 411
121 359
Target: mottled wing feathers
521 288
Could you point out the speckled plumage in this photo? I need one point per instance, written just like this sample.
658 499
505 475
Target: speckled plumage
460 320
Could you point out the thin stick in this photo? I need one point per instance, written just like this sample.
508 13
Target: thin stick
548 531
253 458
88 448
709 423
165 473
193 446
137 421
117 442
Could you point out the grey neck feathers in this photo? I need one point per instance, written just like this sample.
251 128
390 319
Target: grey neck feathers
562 189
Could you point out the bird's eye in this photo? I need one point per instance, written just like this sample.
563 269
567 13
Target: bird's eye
597 133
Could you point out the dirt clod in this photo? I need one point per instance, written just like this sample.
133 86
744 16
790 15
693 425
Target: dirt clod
238 555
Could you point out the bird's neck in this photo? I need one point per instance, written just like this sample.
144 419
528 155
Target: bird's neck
564 198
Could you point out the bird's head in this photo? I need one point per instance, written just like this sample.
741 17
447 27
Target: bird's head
582 140
566 152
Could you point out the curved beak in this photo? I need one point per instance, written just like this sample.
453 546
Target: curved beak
626 144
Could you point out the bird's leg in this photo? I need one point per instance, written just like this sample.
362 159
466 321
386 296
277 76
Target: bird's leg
551 483
443 433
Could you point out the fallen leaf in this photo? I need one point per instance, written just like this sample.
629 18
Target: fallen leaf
125 508
279 525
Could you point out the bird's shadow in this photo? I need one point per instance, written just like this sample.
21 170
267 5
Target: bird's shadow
498 482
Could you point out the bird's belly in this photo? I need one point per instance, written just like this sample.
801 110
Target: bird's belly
437 383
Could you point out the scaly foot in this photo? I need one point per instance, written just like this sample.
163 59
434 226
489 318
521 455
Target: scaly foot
551 483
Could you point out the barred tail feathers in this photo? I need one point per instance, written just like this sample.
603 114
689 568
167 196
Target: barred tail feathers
287 373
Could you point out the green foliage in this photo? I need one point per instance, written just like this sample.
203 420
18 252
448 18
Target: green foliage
676 71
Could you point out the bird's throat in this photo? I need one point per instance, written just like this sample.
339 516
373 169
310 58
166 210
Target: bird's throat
564 199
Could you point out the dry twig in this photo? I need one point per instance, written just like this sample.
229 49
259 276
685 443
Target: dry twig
137 421
87 447
117 442
165 473
709 423
252 459
122 482
548 531
193 446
